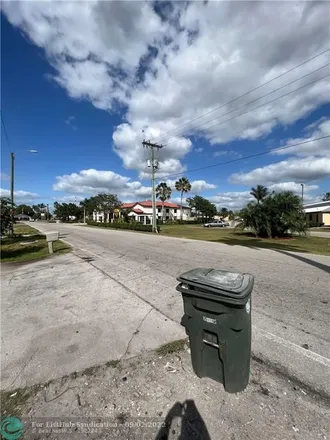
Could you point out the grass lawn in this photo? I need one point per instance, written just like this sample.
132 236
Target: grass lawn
32 247
313 245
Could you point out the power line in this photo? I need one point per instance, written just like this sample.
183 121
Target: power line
258 106
247 157
242 96
5 132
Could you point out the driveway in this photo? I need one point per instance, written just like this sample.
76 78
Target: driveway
290 297
62 315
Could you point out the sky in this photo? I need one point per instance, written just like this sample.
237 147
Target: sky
84 83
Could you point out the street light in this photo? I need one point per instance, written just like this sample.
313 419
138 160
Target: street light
302 193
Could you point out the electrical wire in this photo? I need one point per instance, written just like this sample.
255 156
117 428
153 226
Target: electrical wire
5 132
246 157
241 96
258 106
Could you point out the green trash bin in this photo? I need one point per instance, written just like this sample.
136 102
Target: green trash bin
217 319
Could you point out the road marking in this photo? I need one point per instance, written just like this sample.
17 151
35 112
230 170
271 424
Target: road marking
307 353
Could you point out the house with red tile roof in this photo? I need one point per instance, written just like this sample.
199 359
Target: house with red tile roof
142 212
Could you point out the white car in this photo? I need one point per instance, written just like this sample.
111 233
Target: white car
216 224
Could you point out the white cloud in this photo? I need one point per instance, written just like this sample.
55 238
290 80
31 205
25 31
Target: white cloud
318 148
20 196
197 186
291 186
70 121
226 153
231 200
199 150
4 176
237 199
93 181
298 170
125 56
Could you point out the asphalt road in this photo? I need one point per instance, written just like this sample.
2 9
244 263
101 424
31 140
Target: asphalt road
290 297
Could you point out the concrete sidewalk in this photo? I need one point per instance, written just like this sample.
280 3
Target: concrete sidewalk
62 315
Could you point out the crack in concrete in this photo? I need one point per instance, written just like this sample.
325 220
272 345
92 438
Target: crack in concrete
128 289
135 333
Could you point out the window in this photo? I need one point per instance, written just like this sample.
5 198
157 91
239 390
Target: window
141 218
159 209
175 217
175 210
310 217
167 211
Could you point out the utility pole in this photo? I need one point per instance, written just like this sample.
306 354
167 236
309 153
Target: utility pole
302 193
12 178
154 168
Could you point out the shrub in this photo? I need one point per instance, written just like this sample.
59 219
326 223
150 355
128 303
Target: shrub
315 224
119 225
278 214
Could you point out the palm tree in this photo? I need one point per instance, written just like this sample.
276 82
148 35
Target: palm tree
163 193
182 185
259 193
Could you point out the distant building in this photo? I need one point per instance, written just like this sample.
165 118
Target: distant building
22 217
318 212
142 212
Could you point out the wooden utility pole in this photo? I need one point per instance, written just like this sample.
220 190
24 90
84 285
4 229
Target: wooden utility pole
12 178
154 168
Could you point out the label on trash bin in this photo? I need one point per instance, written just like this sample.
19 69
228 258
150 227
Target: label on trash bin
209 320
248 306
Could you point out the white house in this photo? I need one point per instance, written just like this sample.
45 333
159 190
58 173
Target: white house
142 212
318 212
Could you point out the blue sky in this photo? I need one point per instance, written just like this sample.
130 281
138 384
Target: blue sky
81 82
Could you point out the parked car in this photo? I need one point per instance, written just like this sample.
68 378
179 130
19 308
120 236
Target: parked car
215 224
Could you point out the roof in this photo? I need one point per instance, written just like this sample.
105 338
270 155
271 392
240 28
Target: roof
323 206
148 204
319 209
138 211
128 205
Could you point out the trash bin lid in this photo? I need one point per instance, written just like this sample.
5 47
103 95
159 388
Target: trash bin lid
219 282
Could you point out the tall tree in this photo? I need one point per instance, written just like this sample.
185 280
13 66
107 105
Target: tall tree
279 214
183 186
223 212
326 197
24 209
163 193
5 216
259 193
90 205
202 206
107 203
66 210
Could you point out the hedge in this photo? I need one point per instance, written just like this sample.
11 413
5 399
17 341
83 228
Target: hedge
315 224
130 226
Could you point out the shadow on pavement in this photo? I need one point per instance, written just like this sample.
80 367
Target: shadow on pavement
192 423
257 243
320 266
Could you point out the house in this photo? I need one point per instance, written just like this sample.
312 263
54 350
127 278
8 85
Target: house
318 212
22 217
142 212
